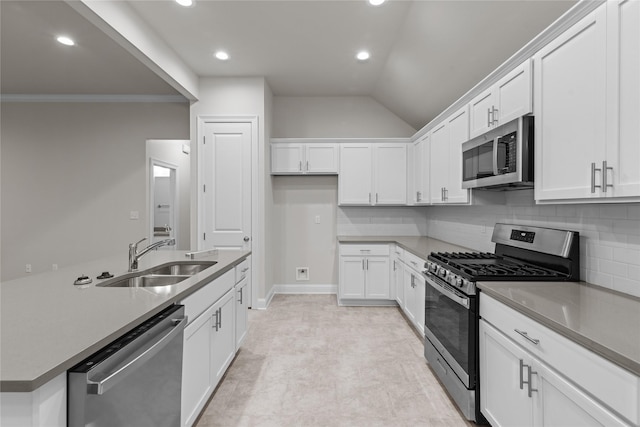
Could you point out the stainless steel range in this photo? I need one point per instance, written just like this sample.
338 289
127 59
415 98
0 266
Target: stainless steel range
451 305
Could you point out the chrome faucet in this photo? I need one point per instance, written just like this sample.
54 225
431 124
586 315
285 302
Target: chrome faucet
135 255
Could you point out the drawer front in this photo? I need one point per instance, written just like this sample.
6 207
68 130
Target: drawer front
242 270
612 385
196 303
397 251
364 250
414 262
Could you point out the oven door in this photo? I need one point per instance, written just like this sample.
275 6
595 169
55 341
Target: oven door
451 326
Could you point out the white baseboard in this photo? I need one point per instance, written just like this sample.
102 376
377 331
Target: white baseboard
305 289
263 303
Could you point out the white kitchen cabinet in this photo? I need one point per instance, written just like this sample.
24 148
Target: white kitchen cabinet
364 272
223 332
420 172
587 104
410 294
373 174
533 376
508 99
446 159
414 290
288 158
242 312
397 275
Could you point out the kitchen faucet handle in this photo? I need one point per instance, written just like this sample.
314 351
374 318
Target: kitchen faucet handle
135 245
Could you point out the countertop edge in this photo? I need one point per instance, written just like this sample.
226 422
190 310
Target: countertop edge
589 344
27 386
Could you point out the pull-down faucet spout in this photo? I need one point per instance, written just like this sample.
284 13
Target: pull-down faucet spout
135 255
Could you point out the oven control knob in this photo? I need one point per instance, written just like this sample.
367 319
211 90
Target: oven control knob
442 272
458 282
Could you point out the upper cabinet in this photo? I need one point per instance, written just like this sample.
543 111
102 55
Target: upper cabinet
419 176
587 104
373 174
445 157
290 158
504 101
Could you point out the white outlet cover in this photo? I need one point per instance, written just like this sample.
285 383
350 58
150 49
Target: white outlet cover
302 273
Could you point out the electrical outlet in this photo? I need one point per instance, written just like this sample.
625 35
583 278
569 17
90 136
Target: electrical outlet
302 273
27 268
317 219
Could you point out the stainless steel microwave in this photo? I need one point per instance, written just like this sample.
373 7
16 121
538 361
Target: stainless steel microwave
501 159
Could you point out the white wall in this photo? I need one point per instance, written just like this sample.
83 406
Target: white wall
300 241
71 174
239 97
335 116
609 233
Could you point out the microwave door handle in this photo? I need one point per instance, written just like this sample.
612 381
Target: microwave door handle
496 141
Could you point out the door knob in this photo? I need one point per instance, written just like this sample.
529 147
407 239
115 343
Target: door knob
246 238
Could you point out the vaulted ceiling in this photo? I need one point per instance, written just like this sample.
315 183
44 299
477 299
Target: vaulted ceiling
424 54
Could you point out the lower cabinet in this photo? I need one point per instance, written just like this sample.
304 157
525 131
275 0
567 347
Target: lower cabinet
523 388
211 339
364 273
414 286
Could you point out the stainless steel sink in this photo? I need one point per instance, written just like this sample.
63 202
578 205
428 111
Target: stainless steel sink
182 267
161 275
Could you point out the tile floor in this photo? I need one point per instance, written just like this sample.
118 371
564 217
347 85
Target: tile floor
308 362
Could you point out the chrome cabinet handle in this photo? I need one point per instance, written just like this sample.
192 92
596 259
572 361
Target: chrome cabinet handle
220 317
376 198
369 198
530 388
240 300
526 336
367 264
593 178
605 168
494 114
418 196
307 165
363 263
489 120
215 325
300 166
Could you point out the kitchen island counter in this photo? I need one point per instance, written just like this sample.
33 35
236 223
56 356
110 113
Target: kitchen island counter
48 324
603 321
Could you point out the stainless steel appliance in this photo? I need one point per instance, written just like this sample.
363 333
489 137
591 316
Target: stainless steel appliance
134 381
452 305
501 158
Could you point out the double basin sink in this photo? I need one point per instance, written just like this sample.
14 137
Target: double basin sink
161 275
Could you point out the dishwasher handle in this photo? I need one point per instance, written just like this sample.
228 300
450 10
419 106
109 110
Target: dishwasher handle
127 367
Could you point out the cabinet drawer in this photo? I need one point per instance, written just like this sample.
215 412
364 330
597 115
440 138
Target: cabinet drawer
607 382
196 303
242 270
364 250
413 261
397 251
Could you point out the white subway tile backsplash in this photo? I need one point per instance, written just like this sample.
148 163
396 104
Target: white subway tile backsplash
627 286
627 255
633 211
612 267
618 211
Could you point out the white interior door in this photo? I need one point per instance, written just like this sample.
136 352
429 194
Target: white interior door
227 186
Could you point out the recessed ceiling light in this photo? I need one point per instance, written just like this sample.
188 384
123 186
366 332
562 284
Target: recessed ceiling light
222 55
376 2
66 41
185 3
363 55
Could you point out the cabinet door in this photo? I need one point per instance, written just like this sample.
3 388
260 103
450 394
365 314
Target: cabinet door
242 311
439 162
352 277
223 343
196 366
390 174
458 125
287 158
398 276
569 104
409 295
420 295
557 402
502 400
321 159
480 113
377 278
354 180
513 94
419 194
623 98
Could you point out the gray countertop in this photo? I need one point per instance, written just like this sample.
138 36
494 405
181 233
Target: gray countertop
418 245
47 325
606 322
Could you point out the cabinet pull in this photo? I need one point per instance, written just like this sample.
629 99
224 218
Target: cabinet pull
367 264
605 168
526 336
240 300
494 115
300 166
593 178
220 318
530 389
418 196
394 265
489 120
307 165
363 263
376 198
442 194
369 198
215 325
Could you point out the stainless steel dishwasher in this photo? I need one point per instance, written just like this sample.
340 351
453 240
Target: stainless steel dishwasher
134 381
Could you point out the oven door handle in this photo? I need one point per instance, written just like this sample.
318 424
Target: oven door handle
449 293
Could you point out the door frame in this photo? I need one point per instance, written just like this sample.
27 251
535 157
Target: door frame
175 185
257 215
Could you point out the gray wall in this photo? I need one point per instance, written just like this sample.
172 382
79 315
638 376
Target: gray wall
71 174
298 241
